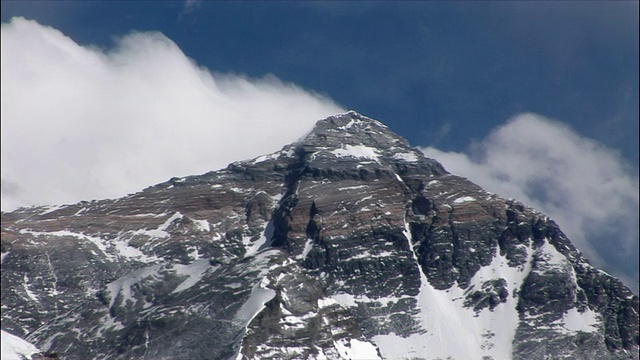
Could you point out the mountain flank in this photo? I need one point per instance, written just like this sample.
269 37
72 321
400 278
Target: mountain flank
348 244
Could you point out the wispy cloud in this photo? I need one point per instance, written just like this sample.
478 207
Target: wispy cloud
80 123
587 188
189 7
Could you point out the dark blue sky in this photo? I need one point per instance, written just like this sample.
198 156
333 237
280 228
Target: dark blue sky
438 73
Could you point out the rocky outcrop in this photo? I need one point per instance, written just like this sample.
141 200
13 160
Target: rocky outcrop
349 243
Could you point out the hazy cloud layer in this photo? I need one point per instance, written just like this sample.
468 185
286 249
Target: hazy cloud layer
586 188
80 123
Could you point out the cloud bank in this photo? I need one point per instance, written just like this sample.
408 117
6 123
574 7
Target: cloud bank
585 187
82 123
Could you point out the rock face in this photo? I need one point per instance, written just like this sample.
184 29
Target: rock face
347 244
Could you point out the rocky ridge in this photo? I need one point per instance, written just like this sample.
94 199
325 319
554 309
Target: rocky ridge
346 244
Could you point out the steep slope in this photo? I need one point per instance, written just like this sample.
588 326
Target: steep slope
347 244
14 348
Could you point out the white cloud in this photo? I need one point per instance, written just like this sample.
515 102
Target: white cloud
80 123
188 7
585 187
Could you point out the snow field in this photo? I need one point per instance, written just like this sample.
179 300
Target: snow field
454 330
15 348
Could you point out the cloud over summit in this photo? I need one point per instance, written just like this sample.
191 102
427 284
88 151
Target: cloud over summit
80 123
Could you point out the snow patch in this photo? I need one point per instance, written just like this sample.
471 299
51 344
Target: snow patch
574 321
194 272
408 157
194 253
108 323
323 303
252 248
25 285
121 288
273 156
264 158
357 151
549 258
307 247
15 348
349 124
260 295
348 300
345 300
353 187
160 231
202 225
464 199
50 208
354 349
123 249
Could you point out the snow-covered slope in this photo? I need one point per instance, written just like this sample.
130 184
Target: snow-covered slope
15 348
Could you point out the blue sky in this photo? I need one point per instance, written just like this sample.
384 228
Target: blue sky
462 66
451 77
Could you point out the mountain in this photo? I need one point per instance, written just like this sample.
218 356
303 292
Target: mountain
348 244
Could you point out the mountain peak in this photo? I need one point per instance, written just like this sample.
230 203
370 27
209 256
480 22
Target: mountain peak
348 237
352 128
349 145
